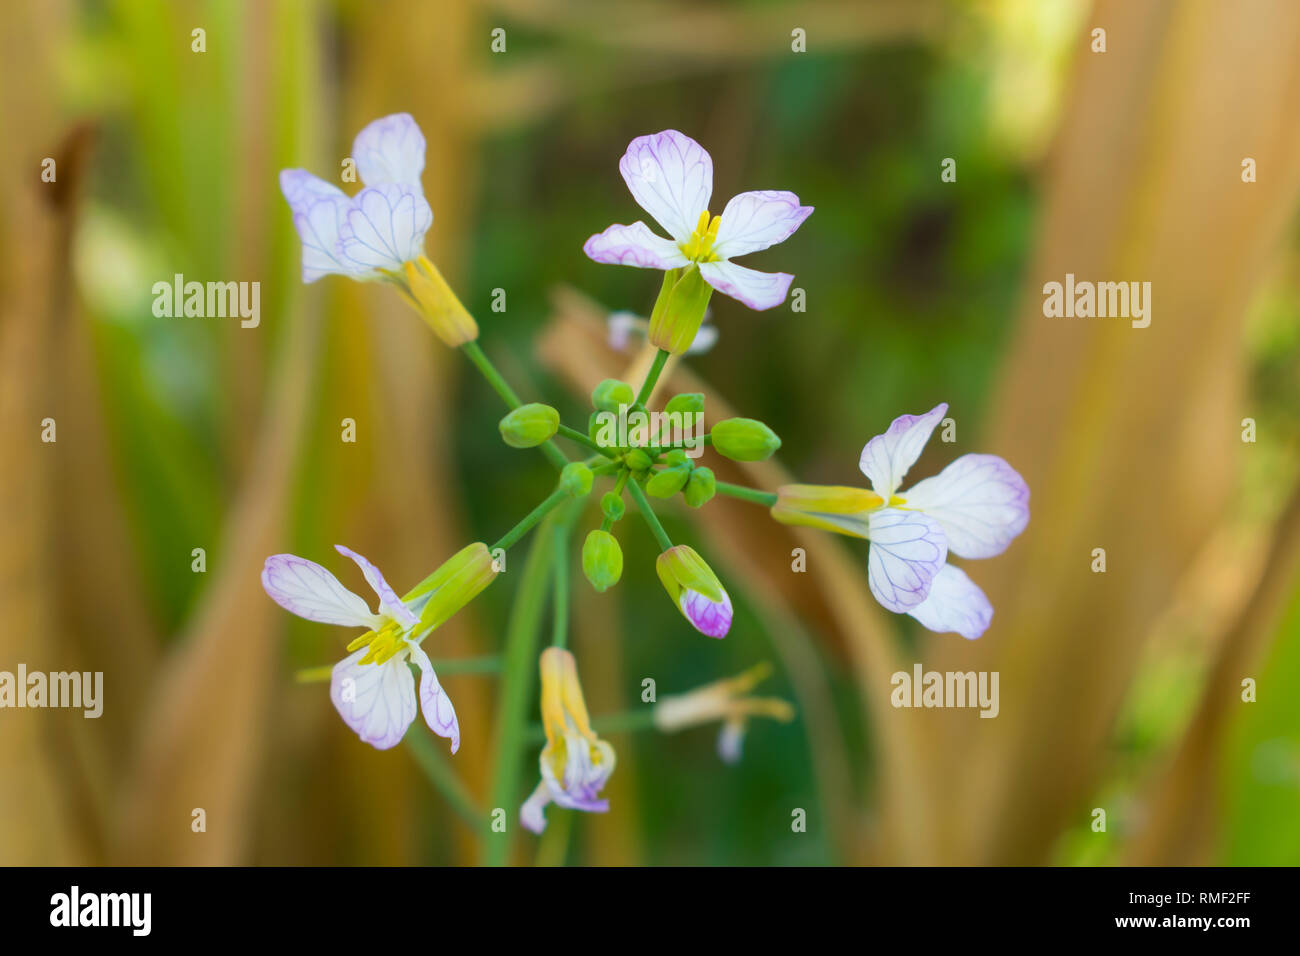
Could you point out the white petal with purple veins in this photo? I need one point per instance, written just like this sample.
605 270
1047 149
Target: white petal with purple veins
886 458
376 700
907 551
434 702
390 150
634 245
305 588
388 599
981 501
671 177
710 618
756 220
758 290
385 227
301 189
956 604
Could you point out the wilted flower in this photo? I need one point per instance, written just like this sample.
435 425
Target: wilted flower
372 688
973 508
575 763
696 590
723 701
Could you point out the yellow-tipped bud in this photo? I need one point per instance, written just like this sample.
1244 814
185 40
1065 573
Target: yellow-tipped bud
461 578
834 508
438 305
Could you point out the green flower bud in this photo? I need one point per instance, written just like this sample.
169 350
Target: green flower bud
576 479
677 457
679 310
611 505
687 403
593 425
612 393
744 439
529 425
701 487
602 560
668 482
637 460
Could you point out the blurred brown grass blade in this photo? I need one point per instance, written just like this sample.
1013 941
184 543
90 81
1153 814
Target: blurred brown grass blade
1180 809
207 728
833 595
45 813
1129 437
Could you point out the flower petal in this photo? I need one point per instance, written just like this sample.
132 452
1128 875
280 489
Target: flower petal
981 501
388 599
671 177
756 220
532 815
304 588
318 211
384 227
758 290
390 150
376 700
907 551
710 618
434 702
955 604
634 245
731 740
886 458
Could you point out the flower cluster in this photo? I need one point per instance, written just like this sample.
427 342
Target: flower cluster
972 509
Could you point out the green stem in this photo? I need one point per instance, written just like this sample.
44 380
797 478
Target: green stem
764 498
650 518
651 377
517 683
560 631
574 435
436 767
499 385
558 497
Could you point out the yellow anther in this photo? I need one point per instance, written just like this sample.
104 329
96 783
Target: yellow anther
698 247
703 224
895 501
362 641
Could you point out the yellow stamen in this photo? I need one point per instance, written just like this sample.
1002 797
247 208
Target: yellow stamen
699 247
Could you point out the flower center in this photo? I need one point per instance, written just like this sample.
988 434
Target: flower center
384 643
699 248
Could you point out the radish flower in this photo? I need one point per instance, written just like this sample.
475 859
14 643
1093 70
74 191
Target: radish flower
974 508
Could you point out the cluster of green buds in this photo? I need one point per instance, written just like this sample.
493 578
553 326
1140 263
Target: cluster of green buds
646 455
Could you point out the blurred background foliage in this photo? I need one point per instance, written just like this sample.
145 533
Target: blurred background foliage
1120 691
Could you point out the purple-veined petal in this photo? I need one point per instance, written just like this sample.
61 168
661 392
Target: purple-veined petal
981 501
376 700
671 177
587 766
301 189
955 604
758 290
304 588
384 227
388 599
756 220
886 458
710 618
532 815
634 245
907 551
390 150
434 702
